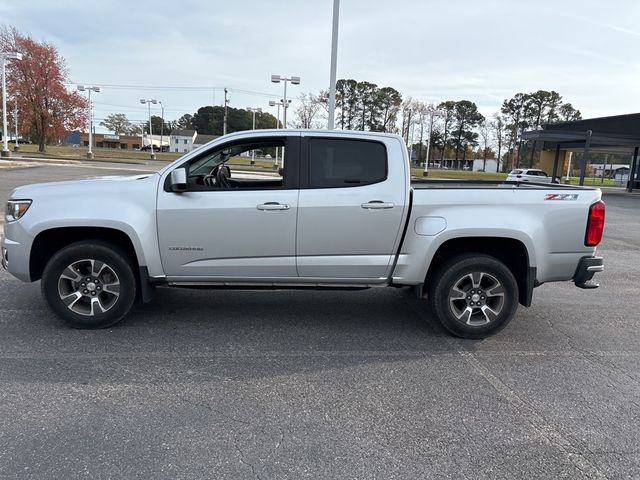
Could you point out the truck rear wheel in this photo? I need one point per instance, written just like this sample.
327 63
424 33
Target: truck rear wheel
473 295
89 284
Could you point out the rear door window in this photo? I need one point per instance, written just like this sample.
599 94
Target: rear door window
346 163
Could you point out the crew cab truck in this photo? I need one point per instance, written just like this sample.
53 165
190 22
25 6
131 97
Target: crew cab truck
336 209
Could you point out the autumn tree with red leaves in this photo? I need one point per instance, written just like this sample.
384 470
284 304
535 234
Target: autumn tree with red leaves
46 108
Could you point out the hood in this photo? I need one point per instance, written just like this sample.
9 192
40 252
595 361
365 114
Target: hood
72 187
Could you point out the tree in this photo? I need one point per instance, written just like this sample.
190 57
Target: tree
158 126
47 109
389 100
465 118
499 132
447 108
185 122
117 123
567 113
365 106
484 129
307 112
208 120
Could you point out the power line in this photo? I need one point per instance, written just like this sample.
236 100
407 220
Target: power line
178 88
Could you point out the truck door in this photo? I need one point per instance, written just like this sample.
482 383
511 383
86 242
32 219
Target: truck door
241 227
351 206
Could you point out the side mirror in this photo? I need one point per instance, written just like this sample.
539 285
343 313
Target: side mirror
179 180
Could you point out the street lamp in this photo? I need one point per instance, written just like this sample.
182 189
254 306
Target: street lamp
149 102
89 89
433 115
5 140
334 62
294 81
273 103
254 110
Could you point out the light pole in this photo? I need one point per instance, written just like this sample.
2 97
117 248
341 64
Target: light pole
89 89
15 123
285 106
161 124
432 117
149 102
254 110
334 62
273 103
5 141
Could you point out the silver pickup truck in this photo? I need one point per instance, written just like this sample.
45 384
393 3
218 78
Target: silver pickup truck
333 209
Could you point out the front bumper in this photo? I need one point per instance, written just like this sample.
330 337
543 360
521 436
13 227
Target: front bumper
14 251
587 268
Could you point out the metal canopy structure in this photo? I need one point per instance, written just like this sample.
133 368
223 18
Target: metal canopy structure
616 134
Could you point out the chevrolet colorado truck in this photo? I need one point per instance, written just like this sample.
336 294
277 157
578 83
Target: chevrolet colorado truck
333 209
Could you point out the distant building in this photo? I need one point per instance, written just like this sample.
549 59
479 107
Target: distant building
490 166
610 170
106 140
202 139
181 141
184 141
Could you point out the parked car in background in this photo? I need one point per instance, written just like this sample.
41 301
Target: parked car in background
529 175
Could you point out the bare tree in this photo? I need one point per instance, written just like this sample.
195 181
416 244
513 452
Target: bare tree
499 130
484 129
308 111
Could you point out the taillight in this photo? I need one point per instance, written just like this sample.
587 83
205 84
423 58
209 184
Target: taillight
595 225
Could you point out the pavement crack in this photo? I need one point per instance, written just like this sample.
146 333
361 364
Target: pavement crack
241 457
537 421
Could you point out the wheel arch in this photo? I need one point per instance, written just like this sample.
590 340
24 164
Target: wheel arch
510 251
48 242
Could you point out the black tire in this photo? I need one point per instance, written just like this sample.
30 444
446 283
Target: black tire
473 295
90 304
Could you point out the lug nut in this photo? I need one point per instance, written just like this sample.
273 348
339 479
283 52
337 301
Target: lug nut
86 291
98 288
83 284
93 293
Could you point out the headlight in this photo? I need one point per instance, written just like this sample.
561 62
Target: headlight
16 209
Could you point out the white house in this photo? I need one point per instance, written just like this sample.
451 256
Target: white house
181 141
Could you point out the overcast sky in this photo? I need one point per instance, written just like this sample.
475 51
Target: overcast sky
480 50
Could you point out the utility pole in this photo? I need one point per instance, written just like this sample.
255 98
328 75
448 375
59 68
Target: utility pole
226 102
15 122
334 61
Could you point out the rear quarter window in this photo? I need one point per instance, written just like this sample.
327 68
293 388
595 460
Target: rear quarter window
515 172
346 163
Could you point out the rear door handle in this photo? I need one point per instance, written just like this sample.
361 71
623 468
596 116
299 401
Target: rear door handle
377 205
273 206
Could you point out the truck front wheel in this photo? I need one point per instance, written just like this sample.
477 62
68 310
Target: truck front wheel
89 284
473 295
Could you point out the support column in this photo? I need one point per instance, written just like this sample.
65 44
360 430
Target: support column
632 171
555 163
585 157
533 152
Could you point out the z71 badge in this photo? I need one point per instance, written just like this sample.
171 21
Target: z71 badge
561 196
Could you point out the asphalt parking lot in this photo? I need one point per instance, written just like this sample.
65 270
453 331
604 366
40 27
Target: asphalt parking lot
202 384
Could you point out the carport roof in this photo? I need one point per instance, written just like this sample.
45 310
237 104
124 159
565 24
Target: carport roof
618 133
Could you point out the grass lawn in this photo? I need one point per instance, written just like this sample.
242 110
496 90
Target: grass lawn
110 154
467 175
437 173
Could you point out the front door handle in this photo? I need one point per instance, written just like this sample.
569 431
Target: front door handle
377 205
273 206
